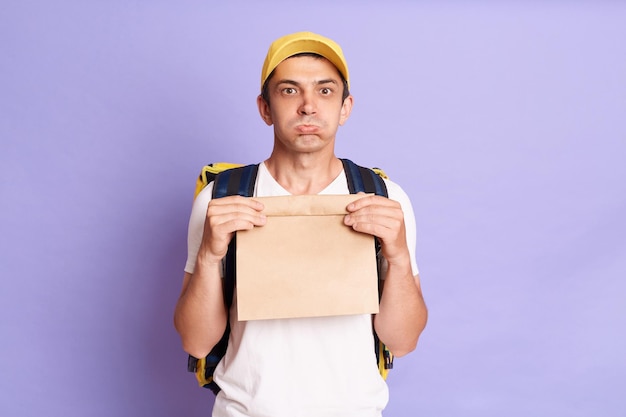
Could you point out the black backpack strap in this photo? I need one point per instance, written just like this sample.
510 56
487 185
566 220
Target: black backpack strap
361 179
235 181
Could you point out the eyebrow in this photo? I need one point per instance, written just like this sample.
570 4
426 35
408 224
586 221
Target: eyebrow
296 83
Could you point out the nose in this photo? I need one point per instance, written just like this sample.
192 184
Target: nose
308 105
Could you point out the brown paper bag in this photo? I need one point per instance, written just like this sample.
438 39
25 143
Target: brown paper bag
305 262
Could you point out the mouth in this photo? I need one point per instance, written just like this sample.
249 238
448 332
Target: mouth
307 128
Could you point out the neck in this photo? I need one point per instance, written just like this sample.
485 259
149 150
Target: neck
304 174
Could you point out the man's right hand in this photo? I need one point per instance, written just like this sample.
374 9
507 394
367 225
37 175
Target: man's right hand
224 217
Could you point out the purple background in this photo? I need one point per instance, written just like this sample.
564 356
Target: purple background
504 122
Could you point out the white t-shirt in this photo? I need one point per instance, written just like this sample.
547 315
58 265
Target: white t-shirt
304 367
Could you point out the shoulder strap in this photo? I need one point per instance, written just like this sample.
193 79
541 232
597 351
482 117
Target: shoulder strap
233 179
361 179
370 181
236 181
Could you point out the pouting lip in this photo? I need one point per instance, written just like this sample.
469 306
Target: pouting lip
307 128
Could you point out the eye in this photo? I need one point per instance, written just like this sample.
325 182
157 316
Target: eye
326 91
289 91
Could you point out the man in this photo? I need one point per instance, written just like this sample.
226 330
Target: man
278 368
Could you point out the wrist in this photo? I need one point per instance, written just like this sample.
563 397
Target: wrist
400 264
207 260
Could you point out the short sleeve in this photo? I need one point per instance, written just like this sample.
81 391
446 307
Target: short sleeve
396 193
196 226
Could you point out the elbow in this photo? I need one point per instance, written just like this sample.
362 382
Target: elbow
407 344
199 347
192 345
196 351
403 349
198 343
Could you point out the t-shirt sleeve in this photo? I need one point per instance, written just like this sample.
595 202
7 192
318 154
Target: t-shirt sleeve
396 193
196 226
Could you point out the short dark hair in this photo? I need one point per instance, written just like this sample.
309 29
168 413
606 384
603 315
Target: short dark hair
265 93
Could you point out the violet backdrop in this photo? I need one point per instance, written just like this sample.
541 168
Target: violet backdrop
505 122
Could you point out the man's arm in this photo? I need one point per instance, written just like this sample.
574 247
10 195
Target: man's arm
200 316
402 314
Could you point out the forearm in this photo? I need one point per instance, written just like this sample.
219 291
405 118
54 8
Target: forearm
402 315
200 316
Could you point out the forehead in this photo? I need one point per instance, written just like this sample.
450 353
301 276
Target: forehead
306 68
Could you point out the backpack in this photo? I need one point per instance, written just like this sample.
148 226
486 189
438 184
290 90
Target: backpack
235 179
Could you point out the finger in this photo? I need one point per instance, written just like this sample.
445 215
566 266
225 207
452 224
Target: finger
245 208
393 239
377 213
228 203
371 200
382 226
219 230
232 221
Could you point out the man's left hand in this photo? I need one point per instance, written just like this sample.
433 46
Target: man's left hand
381 217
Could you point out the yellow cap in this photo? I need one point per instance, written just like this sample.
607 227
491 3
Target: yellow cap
303 42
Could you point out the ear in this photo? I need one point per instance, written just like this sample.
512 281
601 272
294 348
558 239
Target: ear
264 110
346 109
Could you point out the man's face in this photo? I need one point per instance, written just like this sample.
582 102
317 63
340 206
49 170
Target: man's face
306 104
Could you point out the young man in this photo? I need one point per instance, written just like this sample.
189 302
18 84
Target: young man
277 368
